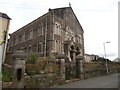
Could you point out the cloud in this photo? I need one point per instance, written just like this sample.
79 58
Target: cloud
97 17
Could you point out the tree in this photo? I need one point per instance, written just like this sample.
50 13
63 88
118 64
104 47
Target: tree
101 60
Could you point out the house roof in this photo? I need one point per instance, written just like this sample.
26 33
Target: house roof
58 11
117 59
3 15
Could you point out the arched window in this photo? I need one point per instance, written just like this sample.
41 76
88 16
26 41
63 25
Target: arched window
57 30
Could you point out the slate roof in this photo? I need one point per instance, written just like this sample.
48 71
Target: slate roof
3 15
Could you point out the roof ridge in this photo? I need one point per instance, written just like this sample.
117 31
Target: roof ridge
60 8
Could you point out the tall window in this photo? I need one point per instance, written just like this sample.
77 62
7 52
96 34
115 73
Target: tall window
40 47
29 48
57 46
40 29
20 39
31 34
23 37
57 30
27 35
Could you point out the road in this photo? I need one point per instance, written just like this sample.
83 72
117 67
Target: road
108 81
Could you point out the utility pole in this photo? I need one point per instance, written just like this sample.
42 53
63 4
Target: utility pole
106 63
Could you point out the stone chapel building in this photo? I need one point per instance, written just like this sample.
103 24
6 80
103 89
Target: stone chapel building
56 32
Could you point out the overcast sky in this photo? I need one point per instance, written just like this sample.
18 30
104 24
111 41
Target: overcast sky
99 19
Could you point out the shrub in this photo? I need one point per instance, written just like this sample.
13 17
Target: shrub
32 58
6 75
58 72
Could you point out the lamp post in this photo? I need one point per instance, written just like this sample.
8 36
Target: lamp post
106 64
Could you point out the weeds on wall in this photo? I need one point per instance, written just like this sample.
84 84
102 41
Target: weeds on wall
32 58
43 65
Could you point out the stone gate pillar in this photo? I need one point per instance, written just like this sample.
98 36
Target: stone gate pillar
19 58
79 67
62 58
62 66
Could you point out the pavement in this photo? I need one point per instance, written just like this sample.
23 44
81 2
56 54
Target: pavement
107 81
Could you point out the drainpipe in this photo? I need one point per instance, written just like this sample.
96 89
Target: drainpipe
45 38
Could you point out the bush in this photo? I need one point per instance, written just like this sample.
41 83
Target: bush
6 75
58 72
32 58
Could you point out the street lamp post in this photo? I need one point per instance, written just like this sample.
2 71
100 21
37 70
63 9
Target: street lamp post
105 56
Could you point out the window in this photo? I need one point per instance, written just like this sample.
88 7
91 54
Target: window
40 47
29 48
31 34
57 30
40 30
27 35
57 46
35 33
23 37
19 39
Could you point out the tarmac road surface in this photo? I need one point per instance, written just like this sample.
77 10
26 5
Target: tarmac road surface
108 81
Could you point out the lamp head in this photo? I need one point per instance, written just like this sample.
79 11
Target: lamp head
108 42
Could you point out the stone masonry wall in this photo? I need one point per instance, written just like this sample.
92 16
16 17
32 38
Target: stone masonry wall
42 81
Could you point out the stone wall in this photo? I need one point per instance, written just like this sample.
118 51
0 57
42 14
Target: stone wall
43 81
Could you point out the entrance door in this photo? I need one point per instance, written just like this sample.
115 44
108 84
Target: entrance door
19 74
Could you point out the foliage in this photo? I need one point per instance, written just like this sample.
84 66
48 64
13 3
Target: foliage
58 72
43 65
32 58
101 60
30 69
6 75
